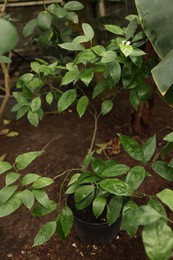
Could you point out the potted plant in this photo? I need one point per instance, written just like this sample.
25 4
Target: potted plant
107 188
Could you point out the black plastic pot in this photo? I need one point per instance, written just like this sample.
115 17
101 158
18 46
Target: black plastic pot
96 233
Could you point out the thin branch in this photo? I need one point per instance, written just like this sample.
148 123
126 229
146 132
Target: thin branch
3 8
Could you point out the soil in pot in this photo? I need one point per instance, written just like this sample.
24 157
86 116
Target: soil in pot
92 230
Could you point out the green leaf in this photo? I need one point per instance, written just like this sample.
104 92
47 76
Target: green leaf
132 148
99 88
29 178
163 170
106 107
27 198
65 218
87 159
98 205
86 56
149 148
146 215
42 197
114 70
10 206
5 59
85 202
108 56
70 76
45 233
42 182
134 99
39 210
73 179
73 6
49 98
115 170
126 49
114 209
24 80
23 160
88 178
33 118
72 16
9 36
66 99
71 46
116 187
11 177
86 76
22 111
158 240
157 205
166 197
4 166
98 49
169 137
29 28
82 105
80 39
36 104
57 10
135 177
114 29
131 28
83 192
6 193
44 20
88 31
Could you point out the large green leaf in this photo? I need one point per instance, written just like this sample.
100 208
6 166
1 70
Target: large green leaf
158 28
163 169
23 160
65 219
66 99
114 209
4 166
116 187
10 206
158 240
166 197
98 205
135 177
45 233
6 193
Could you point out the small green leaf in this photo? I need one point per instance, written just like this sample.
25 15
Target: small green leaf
116 187
115 170
65 218
114 209
107 106
88 31
114 29
166 196
10 206
83 192
11 177
29 178
49 98
73 6
169 137
131 28
108 56
132 148
80 39
4 166
157 205
39 210
85 202
135 177
98 49
6 193
134 99
149 148
126 49
82 105
66 99
42 197
29 28
57 10
73 179
158 240
88 159
86 76
44 20
33 118
23 160
71 46
45 233
163 170
42 182
27 198
70 77
22 111
98 205
36 104
5 59
72 16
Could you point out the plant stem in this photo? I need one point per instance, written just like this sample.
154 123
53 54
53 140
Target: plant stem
4 8
96 117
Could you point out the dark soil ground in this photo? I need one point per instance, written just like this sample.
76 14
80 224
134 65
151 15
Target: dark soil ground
73 137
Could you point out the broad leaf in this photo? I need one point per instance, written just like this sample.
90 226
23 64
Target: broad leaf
27 198
30 27
116 187
73 6
88 31
114 29
70 77
106 107
163 169
66 99
4 166
131 28
33 118
11 177
71 46
57 10
115 170
10 206
83 192
108 56
23 160
114 209
5 59
126 49
36 104
6 193
42 182
85 202
166 196
149 148
49 98
66 220
158 240
169 137
98 205
86 76
39 210
87 159
135 177
45 233
29 178
42 197
44 20
82 105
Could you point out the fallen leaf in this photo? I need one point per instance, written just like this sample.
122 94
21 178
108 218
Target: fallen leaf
12 134
2 157
6 122
4 131
112 147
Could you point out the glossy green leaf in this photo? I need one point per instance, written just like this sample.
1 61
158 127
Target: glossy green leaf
86 56
11 177
99 88
169 137
73 179
72 46
29 28
6 193
49 98
114 29
27 198
158 240
72 16
88 178
83 192
87 159
33 118
132 148
66 99
44 20
126 49
73 6
85 202
45 233
42 182
65 218
88 31
166 196
36 104
10 206
98 205
116 187
24 80
115 170
9 36
4 166
57 10
134 99
70 77
80 39
5 59
98 49
146 215
114 70
23 160
22 111
29 178
163 169
114 209
135 177
82 105
106 107
131 28
108 56
149 148
157 205
42 197
86 76
39 210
